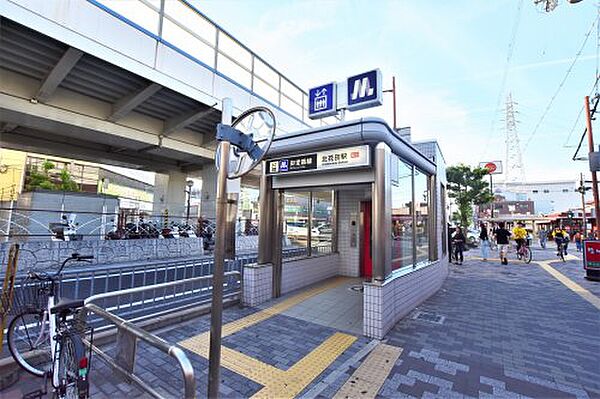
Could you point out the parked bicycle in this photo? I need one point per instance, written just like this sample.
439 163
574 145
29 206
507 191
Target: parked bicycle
46 340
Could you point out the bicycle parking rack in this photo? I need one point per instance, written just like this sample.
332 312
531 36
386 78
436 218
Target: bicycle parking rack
128 334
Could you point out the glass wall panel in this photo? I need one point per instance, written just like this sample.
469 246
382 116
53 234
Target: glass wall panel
322 222
422 216
402 239
187 42
263 89
291 91
233 49
291 107
189 18
295 218
266 73
233 71
136 12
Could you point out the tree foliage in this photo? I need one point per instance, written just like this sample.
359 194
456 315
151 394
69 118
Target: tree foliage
467 187
43 178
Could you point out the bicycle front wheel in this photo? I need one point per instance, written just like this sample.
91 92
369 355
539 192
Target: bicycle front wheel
72 368
29 342
527 255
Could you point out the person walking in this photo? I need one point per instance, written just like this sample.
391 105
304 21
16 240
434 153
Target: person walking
543 235
458 240
484 241
578 240
502 239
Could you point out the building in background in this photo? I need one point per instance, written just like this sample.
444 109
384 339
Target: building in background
547 197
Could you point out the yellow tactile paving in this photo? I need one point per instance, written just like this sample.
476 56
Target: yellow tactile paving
368 379
570 284
301 374
277 383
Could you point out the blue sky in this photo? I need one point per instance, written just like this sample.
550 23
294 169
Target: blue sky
448 58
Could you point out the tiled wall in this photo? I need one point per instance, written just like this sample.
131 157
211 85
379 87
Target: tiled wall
258 284
349 205
385 304
302 272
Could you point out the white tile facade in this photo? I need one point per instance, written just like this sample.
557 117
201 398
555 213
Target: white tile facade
385 304
302 272
348 210
258 284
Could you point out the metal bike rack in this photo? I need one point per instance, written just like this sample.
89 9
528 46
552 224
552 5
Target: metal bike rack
128 334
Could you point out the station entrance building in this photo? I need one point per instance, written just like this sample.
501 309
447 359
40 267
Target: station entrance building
353 199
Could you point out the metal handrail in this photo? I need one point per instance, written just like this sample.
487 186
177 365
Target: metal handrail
127 327
135 290
189 381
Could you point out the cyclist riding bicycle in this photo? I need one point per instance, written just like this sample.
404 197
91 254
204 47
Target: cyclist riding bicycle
520 235
559 235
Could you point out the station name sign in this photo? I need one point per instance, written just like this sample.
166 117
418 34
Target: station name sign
341 158
357 92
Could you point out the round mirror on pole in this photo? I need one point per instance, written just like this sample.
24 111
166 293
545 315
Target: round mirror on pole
258 126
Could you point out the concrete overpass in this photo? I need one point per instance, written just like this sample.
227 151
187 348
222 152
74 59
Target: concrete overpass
136 84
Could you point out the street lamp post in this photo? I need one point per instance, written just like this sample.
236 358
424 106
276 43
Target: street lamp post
189 185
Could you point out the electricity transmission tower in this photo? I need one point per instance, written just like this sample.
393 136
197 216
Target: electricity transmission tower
550 5
514 162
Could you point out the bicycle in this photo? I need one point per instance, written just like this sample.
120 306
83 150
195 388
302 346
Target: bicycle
561 250
524 253
42 318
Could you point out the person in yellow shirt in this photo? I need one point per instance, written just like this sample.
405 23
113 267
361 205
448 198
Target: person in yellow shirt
520 234
560 238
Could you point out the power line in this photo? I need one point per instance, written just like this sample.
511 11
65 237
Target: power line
565 145
509 54
562 83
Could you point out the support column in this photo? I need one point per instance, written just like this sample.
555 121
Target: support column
208 206
259 278
169 193
265 227
382 213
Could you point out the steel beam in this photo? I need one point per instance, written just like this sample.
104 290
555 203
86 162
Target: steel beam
7 127
132 100
58 74
183 120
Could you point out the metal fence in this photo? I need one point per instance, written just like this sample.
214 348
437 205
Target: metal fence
76 223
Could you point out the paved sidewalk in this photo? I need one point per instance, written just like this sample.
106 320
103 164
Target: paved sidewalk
504 331
508 331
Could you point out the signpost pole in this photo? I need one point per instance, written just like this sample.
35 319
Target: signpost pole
582 191
216 310
492 191
591 149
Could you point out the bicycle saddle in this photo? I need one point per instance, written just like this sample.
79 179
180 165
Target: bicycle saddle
65 304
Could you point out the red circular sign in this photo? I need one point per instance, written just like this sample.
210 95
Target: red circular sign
491 167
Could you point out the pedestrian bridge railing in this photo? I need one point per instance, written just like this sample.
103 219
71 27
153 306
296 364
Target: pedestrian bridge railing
128 334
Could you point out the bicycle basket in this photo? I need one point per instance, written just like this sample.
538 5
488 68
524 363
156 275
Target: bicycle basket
29 294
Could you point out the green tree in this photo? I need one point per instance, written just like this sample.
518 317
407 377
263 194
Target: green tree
41 178
66 182
467 187
44 179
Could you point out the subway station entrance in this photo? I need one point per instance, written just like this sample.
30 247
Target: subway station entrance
358 208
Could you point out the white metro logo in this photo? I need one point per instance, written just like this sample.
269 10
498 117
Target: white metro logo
362 88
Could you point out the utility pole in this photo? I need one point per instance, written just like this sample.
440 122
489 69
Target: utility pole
582 189
393 91
588 117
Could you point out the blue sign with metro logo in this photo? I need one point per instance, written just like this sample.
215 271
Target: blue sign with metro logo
364 90
322 101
